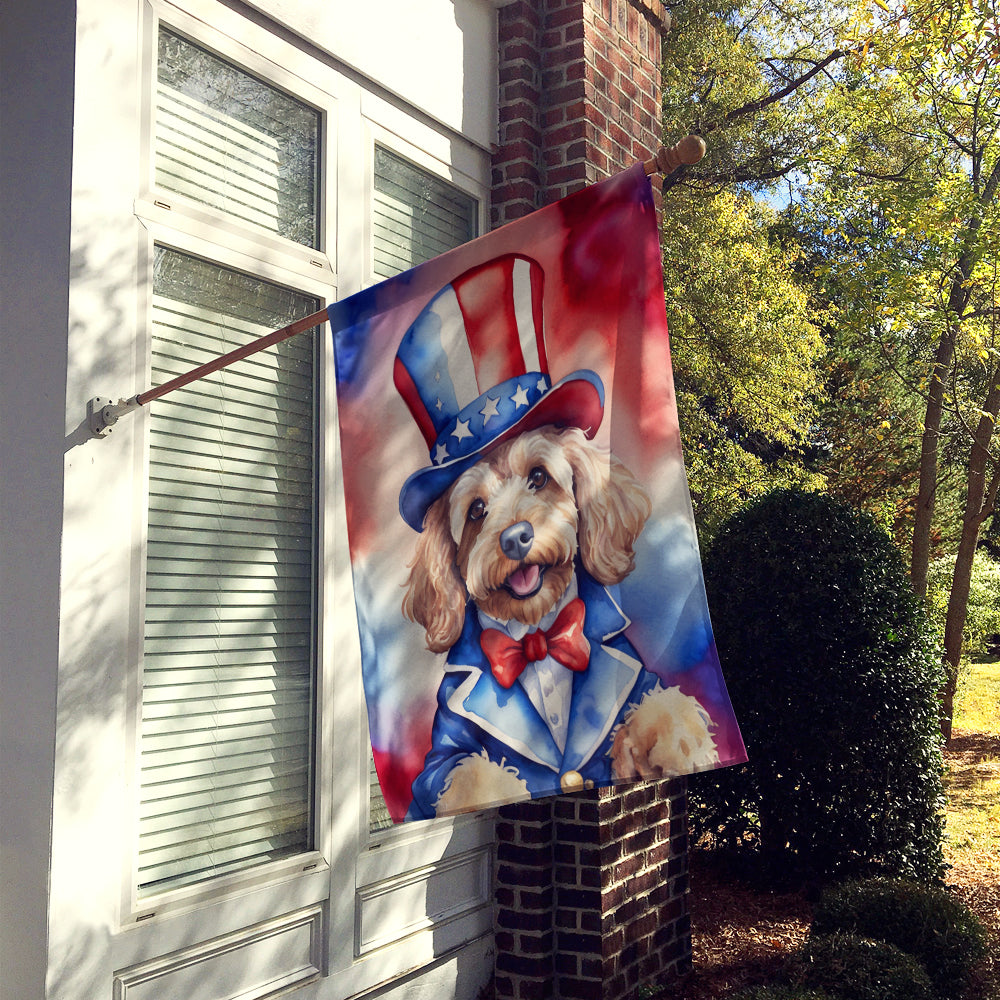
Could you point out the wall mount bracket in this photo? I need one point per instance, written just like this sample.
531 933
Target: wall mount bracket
103 413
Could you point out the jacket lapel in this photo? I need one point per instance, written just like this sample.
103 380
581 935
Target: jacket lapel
506 714
599 693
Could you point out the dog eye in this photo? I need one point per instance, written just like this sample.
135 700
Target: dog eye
477 510
537 478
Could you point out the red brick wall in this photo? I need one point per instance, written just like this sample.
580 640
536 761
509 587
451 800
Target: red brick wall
591 889
591 893
579 96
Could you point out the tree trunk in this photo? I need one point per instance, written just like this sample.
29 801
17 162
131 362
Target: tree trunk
920 553
958 299
980 498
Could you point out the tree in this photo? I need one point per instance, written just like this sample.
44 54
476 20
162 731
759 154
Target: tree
881 119
746 351
913 188
746 75
746 356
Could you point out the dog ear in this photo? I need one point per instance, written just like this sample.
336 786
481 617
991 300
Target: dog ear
613 509
435 595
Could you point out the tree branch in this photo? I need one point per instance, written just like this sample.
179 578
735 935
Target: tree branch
754 106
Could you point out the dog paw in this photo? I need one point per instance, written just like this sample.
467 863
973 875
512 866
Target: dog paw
476 782
668 733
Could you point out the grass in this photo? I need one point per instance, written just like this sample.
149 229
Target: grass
978 698
972 848
973 784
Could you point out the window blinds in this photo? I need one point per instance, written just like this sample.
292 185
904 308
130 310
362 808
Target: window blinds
227 140
227 680
416 216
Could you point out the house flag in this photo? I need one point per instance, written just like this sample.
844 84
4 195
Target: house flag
526 574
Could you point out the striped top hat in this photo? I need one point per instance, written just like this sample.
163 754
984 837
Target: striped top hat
473 371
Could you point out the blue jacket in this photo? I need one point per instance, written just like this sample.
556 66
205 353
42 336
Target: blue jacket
475 713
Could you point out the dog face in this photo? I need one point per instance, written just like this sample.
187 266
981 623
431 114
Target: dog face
508 531
513 520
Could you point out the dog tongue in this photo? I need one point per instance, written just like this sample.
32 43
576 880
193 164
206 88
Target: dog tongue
523 581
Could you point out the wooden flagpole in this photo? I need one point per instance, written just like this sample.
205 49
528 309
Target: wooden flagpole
102 413
260 344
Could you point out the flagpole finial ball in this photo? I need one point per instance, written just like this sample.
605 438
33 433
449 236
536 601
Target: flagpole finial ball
690 150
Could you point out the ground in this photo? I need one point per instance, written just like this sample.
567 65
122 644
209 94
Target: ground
742 935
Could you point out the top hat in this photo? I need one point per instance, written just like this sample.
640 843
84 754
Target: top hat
472 369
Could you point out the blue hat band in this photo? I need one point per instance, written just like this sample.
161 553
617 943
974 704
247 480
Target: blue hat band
489 416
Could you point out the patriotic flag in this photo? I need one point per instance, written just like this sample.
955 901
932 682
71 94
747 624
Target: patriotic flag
526 573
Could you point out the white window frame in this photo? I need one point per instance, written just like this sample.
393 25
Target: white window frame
395 859
179 224
351 873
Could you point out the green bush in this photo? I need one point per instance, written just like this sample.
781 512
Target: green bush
982 618
833 673
925 922
856 968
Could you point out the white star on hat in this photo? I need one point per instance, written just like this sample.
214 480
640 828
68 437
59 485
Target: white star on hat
490 409
520 398
461 430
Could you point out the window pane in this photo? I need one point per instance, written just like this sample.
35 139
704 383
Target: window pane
228 140
228 656
416 217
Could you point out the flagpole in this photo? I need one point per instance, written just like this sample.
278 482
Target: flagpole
103 413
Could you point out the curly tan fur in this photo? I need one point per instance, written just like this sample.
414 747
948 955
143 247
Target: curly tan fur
613 510
435 594
589 504
668 733
476 782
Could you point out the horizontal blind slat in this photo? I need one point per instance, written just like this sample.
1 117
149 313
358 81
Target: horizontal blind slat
183 783
244 845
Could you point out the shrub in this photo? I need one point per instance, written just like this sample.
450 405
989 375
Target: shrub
833 673
856 968
982 619
925 922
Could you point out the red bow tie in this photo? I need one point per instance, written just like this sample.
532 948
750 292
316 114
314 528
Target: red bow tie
564 642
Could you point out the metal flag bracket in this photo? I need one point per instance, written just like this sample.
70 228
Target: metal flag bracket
103 413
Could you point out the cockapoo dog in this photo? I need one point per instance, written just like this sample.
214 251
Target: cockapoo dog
515 578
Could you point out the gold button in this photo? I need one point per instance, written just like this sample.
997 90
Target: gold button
571 781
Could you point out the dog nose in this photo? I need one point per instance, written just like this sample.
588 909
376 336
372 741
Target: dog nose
516 540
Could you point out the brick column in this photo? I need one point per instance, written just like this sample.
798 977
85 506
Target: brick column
524 901
591 889
591 893
579 96
621 884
